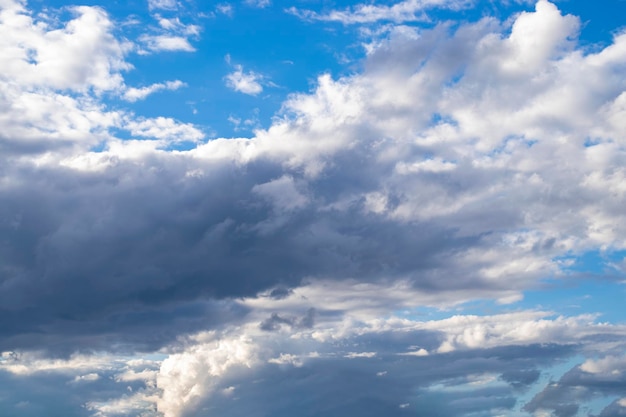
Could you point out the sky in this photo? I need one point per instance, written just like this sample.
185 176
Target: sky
312 208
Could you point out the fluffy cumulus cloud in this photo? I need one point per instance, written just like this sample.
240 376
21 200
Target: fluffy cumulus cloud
324 266
40 55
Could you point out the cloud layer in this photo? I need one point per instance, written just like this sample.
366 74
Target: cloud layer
284 273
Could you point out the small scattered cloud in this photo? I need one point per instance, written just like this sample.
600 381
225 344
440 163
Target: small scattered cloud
357 355
167 43
405 11
175 25
225 9
163 128
134 94
162 4
244 82
258 3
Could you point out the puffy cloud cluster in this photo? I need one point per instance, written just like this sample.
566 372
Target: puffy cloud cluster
396 366
39 55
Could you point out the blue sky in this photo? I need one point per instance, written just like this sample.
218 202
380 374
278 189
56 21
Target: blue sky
262 208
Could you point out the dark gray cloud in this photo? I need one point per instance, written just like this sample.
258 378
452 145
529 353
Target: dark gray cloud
81 251
101 253
275 321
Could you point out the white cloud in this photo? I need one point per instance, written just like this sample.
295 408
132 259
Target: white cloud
163 128
28 363
187 377
134 404
404 11
356 355
81 55
86 378
54 76
133 94
611 366
258 3
286 359
247 83
168 43
162 4
224 8
175 25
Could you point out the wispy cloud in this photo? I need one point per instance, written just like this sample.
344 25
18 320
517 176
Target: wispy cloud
405 11
258 3
133 94
162 4
225 9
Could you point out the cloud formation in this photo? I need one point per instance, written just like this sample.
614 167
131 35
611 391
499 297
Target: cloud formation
157 43
464 163
244 82
134 94
404 11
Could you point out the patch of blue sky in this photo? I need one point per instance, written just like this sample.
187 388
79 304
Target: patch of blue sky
599 21
594 282
284 53
581 297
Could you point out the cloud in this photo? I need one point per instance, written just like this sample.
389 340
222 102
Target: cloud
590 380
247 83
258 3
175 25
404 11
133 94
53 77
38 385
163 128
169 43
162 4
170 35
339 374
224 8
189 375
78 56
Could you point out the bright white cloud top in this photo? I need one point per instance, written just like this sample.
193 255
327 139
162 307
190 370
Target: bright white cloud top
423 216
